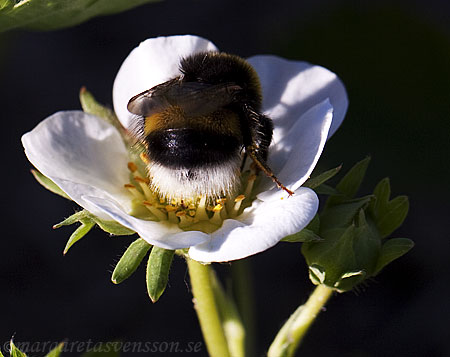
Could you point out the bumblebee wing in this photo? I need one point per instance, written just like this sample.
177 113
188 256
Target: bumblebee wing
151 101
193 98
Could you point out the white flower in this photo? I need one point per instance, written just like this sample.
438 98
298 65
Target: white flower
87 159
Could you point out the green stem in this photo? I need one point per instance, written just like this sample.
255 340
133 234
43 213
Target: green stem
206 308
245 300
293 331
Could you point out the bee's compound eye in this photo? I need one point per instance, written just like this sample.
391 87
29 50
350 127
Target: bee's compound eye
146 106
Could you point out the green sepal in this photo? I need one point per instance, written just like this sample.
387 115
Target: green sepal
51 15
1 354
130 260
343 214
388 214
112 227
88 221
352 180
305 235
158 268
56 352
49 184
318 180
80 232
232 324
76 217
14 351
91 106
391 250
325 189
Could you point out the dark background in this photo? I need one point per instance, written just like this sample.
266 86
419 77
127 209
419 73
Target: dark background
394 58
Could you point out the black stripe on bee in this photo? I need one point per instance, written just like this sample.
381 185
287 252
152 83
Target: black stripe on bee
190 148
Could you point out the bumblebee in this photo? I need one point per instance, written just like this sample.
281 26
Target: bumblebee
199 127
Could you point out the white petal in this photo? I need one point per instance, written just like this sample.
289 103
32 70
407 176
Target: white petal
162 234
294 158
154 61
290 88
83 155
258 228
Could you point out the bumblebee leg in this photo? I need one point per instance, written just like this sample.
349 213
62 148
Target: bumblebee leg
252 151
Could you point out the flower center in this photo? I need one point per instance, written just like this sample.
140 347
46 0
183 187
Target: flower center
200 214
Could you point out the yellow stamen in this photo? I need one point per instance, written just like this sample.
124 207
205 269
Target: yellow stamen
170 208
172 217
144 157
249 188
201 214
134 191
156 212
132 166
237 205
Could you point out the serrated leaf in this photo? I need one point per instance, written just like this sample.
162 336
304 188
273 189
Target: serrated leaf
352 180
51 15
1 354
112 227
391 250
318 180
158 268
80 232
130 260
91 106
305 235
14 351
56 352
393 216
49 184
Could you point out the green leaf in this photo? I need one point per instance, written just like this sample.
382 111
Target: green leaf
14 351
318 180
80 232
130 260
396 212
158 268
56 352
391 250
351 182
51 14
305 235
49 184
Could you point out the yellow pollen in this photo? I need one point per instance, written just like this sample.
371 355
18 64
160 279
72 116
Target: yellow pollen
144 157
132 166
217 208
221 201
180 214
192 213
